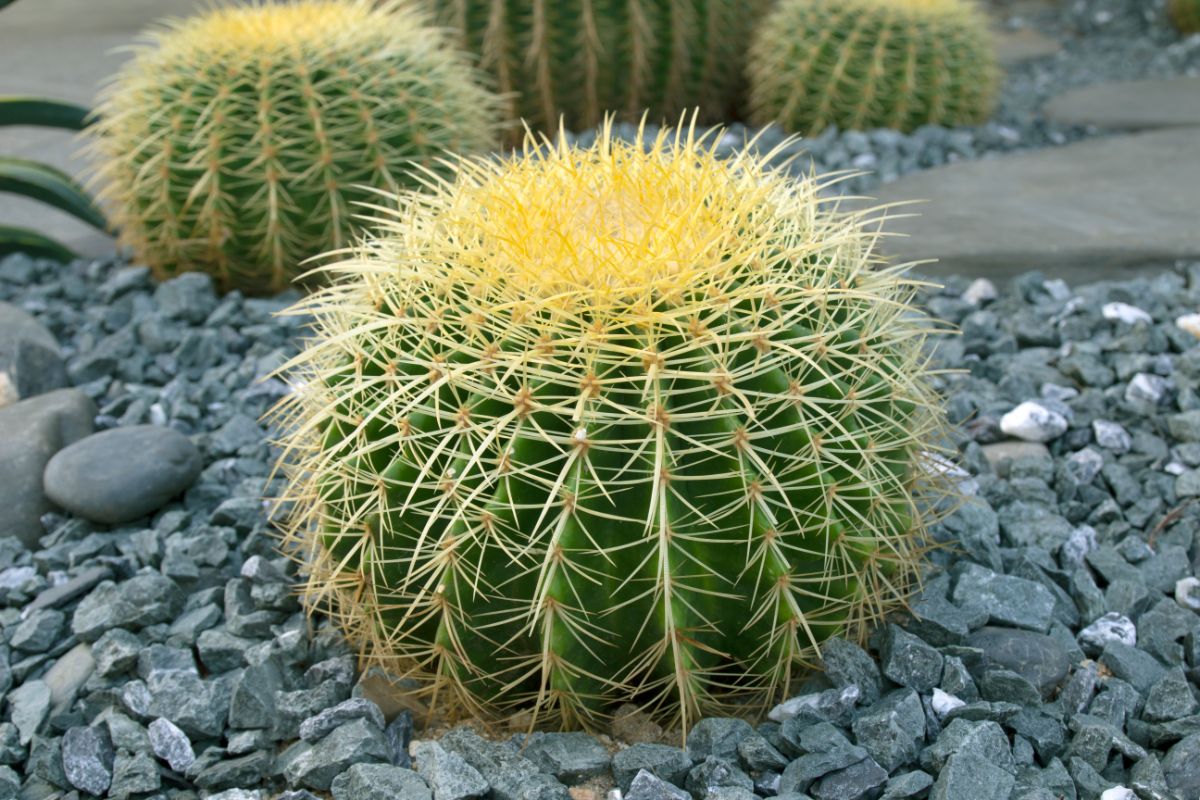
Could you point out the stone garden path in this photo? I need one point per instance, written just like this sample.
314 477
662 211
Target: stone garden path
1083 212
1131 105
65 49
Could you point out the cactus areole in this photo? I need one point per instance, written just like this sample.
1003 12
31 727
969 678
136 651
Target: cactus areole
624 423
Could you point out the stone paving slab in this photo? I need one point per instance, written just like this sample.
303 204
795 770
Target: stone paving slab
1130 105
65 49
1023 44
1082 212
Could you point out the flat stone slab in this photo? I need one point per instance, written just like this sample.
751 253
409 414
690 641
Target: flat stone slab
1023 44
1130 105
1084 212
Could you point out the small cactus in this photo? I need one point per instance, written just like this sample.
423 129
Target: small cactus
242 141
861 64
580 60
1185 14
624 423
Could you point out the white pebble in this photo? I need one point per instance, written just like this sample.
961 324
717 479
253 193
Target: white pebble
1189 323
1086 464
1123 312
980 291
1033 422
1111 436
944 702
1081 542
1175 468
1118 793
1145 388
1112 627
937 464
1186 593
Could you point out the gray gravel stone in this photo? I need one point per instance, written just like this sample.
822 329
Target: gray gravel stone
171 744
315 765
448 775
892 730
573 757
39 631
30 361
909 661
907 784
1129 664
847 664
28 706
134 773
511 776
668 763
95 478
714 774
145 599
379 782
87 756
1005 599
1181 766
859 781
646 785
1169 698
320 725
969 774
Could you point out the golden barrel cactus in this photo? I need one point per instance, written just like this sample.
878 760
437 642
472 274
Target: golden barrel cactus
624 423
861 64
243 141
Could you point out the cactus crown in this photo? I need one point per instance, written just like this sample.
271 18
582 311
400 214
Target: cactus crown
628 422
239 142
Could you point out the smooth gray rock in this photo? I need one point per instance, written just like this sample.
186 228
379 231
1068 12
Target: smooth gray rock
450 777
87 755
1129 105
30 361
31 432
1053 210
68 675
379 782
1038 658
573 757
97 479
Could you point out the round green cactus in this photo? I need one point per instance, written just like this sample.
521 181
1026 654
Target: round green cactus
1185 14
579 60
862 64
242 142
625 423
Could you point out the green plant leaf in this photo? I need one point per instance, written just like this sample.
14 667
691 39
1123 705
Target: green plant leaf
19 110
51 186
23 240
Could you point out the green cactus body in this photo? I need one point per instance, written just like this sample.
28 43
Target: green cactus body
581 59
587 427
1185 14
244 141
862 64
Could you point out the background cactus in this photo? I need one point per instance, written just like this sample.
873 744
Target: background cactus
1185 14
584 58
590 426
862 64
239 142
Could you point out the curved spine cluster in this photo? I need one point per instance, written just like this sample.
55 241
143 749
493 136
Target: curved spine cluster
579 60
243 141
862 64
622 423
